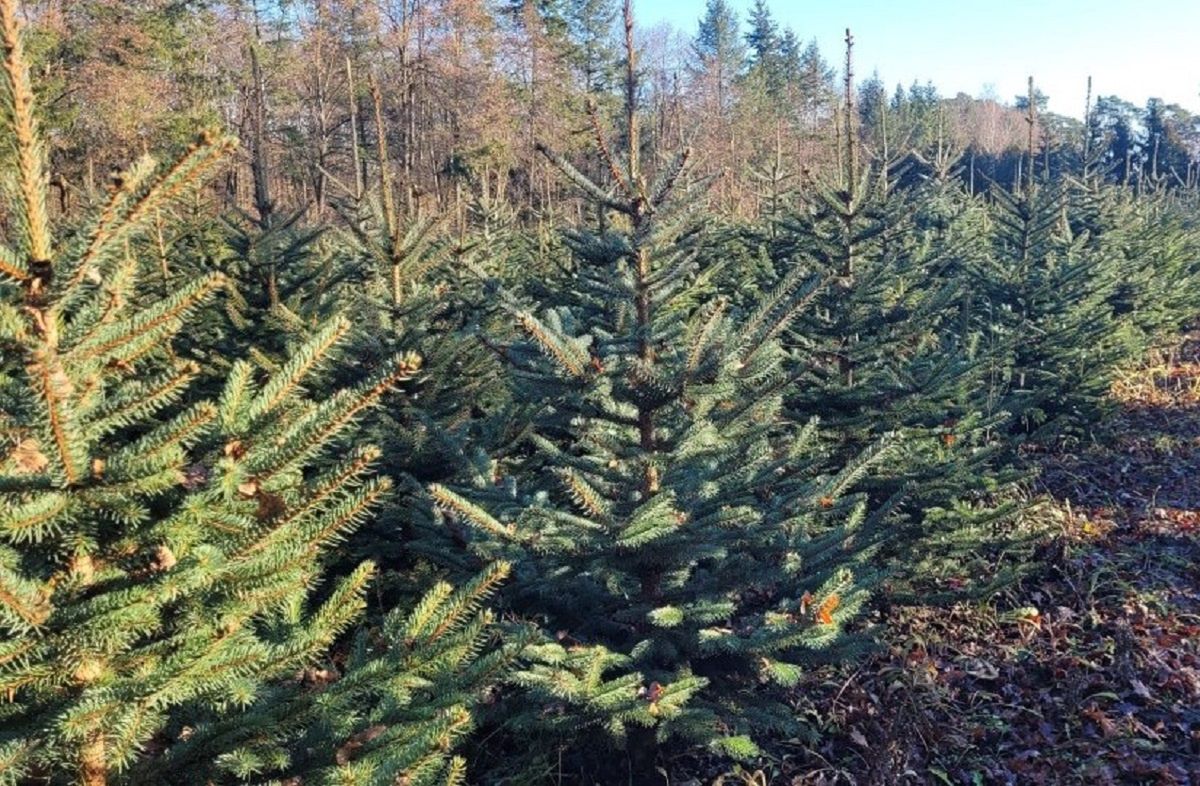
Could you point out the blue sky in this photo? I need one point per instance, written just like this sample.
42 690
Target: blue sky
1131 49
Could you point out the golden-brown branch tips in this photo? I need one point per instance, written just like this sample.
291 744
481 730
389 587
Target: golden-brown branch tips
27 151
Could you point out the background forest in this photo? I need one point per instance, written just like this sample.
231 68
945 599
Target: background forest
467 89
440 391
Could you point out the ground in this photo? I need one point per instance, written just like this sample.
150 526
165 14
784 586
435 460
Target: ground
1085 672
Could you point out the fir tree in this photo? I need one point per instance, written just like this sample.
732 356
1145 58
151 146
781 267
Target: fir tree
890 346
811 94
763 36
590 24
421 291
719 49
1053 340
767 62
162 557
399 702
666 527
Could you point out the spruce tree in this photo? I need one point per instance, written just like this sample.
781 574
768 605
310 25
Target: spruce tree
890 345
1151 240
593 51
767 63
163 582
719 49
422 290
391 709
1053 339
666 524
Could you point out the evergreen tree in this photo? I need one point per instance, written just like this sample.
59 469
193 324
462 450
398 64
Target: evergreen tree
890 346
1171 134
1114 138
1080 280
162 557
391 711
1053 339
421 291
814 81
791 53
872 104
1156 248
767 62
763 36
658 476
592 28
718 48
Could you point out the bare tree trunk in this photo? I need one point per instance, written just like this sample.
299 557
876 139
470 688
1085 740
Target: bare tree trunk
355 152
260 168
320 178
93 769
391 221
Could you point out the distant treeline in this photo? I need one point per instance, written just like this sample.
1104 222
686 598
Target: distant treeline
465 89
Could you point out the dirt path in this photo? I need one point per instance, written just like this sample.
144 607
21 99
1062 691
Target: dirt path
1087 672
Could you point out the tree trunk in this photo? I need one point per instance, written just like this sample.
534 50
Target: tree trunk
93 771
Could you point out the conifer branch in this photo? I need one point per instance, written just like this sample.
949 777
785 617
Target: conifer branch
180 431
287 380
239 388
466 602
22 604
669 177
654 519
54 389
145 401
598 194
11 265
15 756
584 493
552 346
339 478
343 606
424 614
456 772
349 515
447 500
28 522
785 309
321 424
147 325
702 332
25 139
128 210
605 150
796 289
121 192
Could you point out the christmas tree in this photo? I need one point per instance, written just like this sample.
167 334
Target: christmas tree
1053 339
890 345
667 526
162 556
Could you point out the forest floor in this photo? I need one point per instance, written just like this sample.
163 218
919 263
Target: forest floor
1087 670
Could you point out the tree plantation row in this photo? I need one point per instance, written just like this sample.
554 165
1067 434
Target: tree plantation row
388 486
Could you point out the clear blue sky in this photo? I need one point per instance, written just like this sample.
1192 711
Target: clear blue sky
1135 50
